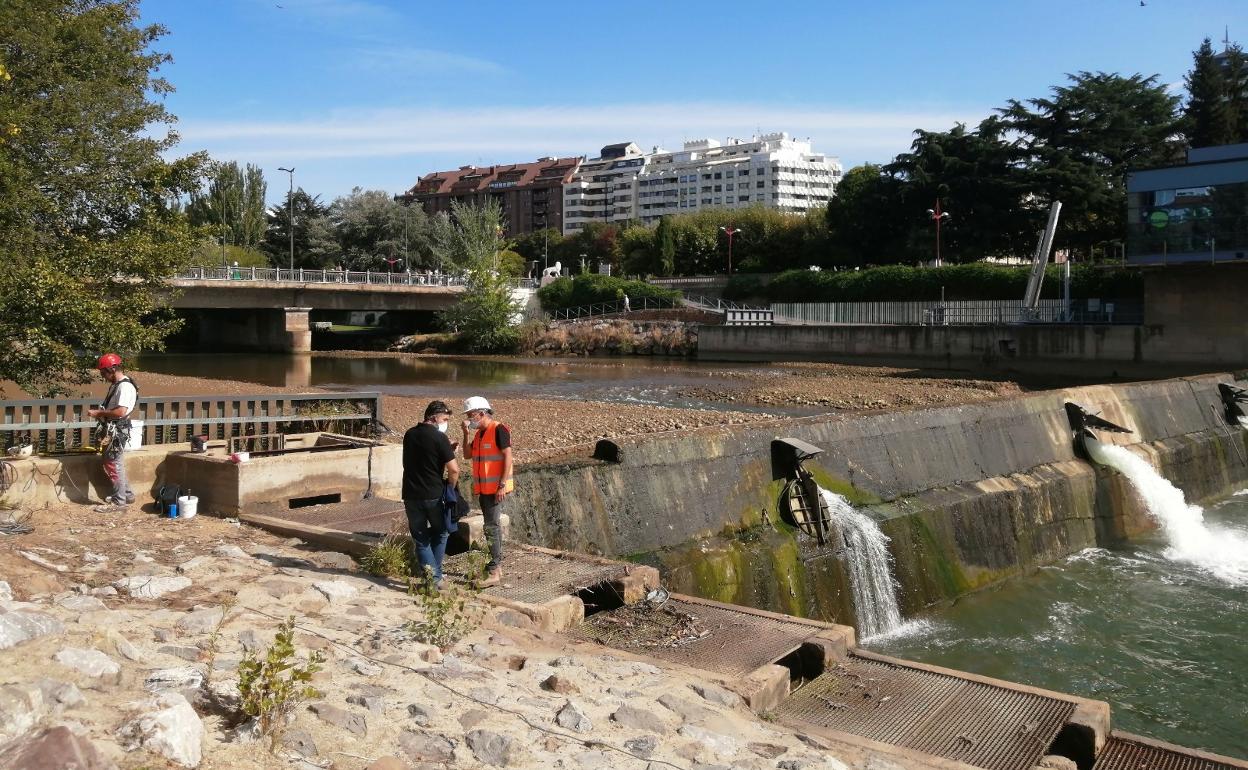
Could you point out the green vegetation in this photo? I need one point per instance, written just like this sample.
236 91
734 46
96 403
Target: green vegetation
274 687
958 282
484 314
389 557
448 617
590 288
89 217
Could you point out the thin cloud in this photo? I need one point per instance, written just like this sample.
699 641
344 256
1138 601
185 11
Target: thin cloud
337 11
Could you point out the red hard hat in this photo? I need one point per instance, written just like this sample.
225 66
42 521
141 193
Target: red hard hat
108 361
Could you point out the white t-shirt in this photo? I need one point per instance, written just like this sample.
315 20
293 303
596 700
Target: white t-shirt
124 394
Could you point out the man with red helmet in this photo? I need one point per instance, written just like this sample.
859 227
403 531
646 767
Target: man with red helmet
114 416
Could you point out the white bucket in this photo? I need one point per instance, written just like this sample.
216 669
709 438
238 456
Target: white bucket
188 506
136 436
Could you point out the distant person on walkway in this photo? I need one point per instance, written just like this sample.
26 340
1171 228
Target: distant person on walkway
627 307
487 443
428 465
235 273
113 432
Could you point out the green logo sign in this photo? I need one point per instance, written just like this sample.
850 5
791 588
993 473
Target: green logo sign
1159 219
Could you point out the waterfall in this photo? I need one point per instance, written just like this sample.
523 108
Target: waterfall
1221 552
869 565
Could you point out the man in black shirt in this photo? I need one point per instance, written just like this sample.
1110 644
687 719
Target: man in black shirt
428 455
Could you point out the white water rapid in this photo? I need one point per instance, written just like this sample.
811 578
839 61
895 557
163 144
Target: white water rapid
1221 552
869 565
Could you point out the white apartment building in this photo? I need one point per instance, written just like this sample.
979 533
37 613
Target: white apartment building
604 188
771 170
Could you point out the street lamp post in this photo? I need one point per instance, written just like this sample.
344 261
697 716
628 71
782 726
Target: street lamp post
290 211
937 216
731 231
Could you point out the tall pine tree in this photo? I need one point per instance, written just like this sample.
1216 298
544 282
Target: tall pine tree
1208 116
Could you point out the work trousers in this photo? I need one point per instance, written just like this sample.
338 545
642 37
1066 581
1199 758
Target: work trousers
490 510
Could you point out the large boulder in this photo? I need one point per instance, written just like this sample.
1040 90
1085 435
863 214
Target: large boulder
166 725
56 748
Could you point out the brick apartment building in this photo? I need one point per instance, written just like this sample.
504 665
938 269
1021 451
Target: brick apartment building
531 194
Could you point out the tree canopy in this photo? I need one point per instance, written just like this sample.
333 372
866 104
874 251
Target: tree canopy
89 214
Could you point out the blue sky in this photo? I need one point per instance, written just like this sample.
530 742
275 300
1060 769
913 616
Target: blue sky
373 93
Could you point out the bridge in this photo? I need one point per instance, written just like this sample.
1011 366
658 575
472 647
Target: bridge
268 308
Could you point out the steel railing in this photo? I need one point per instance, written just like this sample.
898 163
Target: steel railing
304 275
62 424
716 304
613 308
960 313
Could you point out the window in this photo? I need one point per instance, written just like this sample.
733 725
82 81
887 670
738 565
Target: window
718 201
706 176
745 172
719 188
729 186
706 201
706 188
729 174
759 184
743 198
718 175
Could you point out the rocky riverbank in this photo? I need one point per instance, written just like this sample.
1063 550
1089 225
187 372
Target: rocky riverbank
617 337
121 637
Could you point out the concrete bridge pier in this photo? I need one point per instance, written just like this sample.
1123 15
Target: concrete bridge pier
270 330
297 337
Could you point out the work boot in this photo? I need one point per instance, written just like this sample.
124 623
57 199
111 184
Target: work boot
111 505
494 577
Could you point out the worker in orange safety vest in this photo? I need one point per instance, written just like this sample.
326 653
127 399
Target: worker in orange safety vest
487 443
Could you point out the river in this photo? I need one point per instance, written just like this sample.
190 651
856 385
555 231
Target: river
1162 640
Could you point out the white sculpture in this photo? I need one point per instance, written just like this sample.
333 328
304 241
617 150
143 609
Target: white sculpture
551 274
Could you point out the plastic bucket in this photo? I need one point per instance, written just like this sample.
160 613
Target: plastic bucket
188 506
136 436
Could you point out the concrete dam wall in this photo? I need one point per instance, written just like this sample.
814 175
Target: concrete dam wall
969 495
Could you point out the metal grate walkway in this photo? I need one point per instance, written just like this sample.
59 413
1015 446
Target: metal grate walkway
698 635
967 721
375 516
1129 752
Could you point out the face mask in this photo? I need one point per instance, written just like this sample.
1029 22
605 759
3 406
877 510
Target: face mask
441 427
474 424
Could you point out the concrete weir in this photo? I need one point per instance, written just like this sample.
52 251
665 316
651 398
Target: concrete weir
969 495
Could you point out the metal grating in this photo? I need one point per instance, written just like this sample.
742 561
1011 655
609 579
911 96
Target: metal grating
1128 753
536 577
971 722
698 635
346 516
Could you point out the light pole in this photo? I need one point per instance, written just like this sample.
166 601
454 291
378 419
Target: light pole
731 232
937 216
290 212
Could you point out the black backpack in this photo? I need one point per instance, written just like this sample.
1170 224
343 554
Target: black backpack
166 496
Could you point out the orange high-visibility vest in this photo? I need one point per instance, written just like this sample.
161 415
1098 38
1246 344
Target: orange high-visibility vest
487 462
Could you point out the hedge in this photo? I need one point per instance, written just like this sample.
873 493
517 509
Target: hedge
590 288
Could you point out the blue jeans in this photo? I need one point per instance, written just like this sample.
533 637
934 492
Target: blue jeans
427 523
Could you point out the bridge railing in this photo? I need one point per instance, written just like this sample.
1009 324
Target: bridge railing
305 275
61 424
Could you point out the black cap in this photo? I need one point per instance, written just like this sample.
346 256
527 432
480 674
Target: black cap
435 408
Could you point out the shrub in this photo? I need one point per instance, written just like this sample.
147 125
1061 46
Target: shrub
447 614
589 289
273 687
388 558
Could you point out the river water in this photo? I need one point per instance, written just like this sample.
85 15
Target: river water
637 380
1159 636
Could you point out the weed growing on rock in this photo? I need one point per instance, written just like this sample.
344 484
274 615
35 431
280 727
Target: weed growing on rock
273 687
389 558
214 638
448 617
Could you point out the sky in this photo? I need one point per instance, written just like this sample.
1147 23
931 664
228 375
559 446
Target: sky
376 93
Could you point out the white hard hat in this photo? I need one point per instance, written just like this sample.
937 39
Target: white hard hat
476 402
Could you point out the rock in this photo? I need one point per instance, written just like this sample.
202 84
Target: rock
22 626
183 678
163 634
562 661
181 651
354 723
424 747
300 742
483 695
55 748
248 640
490 747
643 746
645 668
1056 762
104 591
280 589
63 694
512 618
370 702
191 565
82 603
89 662
717 695
516 662
231 552
720 745
201 621
363 667
336 590
471 718
767 750
559 684
21 706
151 586
42 562
124 648
6 592
639 719
573 718
334 559
418 714
167 726
688 711
814 741
94 558
387 763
